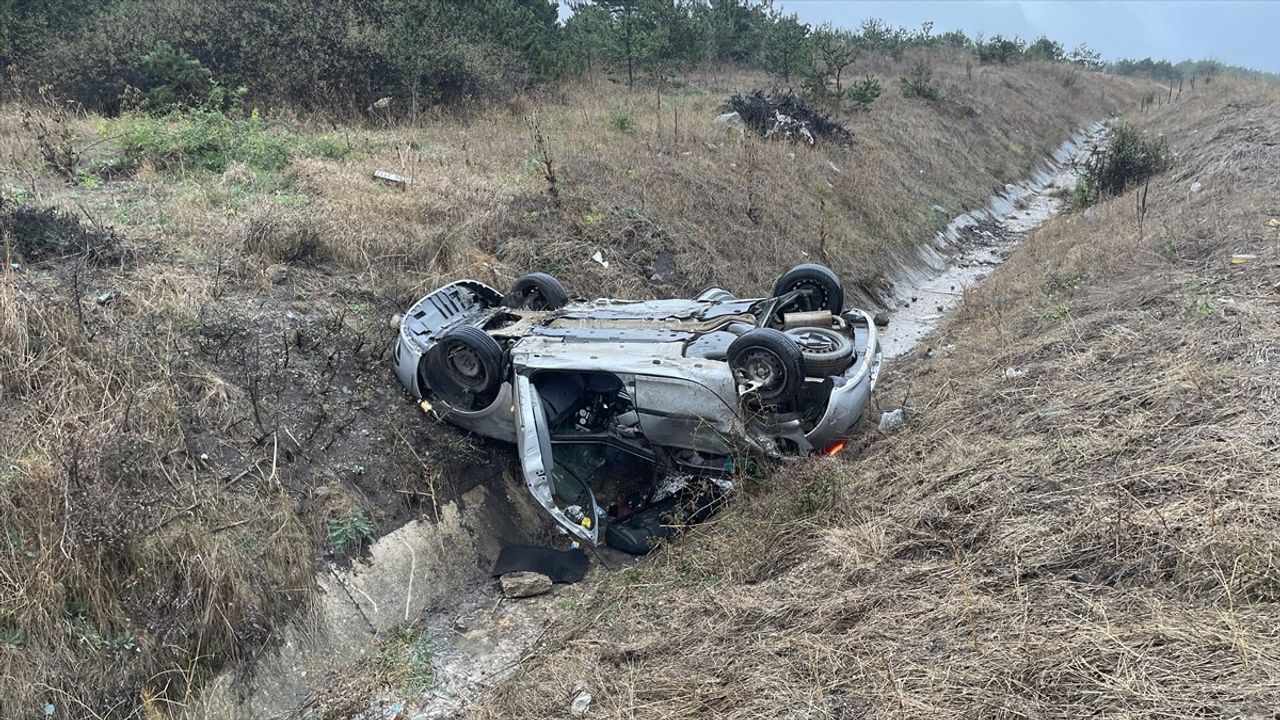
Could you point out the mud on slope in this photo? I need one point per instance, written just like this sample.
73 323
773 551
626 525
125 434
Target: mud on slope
1078 517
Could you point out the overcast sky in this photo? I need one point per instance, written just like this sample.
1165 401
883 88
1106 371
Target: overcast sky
1238 32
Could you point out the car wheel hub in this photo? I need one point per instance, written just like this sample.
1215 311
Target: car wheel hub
815 342
467 367
764 369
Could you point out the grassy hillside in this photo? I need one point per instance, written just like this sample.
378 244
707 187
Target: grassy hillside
196 408
1093 533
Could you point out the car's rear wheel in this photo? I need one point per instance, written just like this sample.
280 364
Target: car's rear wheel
826 352
769 363
819 289
468 367
538 291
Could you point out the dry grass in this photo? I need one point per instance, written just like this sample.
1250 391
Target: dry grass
1095 537
170 457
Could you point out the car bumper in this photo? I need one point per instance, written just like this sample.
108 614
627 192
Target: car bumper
850 396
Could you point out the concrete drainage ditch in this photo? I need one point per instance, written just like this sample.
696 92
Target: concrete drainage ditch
434 574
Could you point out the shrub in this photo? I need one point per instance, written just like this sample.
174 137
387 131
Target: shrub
1129 159
999 49
174 78
918 82
863 93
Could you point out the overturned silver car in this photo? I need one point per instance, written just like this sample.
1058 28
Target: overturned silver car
645 387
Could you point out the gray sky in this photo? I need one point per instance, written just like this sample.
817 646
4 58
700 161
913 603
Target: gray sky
1238 32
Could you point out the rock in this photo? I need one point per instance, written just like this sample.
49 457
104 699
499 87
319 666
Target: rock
278 274
395 321
581 703
891 419
881 319
731 121
460 625
107 296
524 584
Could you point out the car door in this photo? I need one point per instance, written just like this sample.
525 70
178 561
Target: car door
556 489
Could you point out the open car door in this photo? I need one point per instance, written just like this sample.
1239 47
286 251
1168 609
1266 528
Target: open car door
567 497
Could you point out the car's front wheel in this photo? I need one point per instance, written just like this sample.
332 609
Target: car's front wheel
768 364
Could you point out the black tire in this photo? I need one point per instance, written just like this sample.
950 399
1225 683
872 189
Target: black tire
467 367
826 352
822 289
538 291
768 357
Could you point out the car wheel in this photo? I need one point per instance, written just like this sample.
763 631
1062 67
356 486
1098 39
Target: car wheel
768 362
469 362
820 289
826 352
538 291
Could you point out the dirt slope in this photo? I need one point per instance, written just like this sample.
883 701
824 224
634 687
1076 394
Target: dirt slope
1078 518
198 416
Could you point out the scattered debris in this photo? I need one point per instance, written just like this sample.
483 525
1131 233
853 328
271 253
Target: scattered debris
581 703
599 257
938 209
107 296
1196 186
395 321
45 233
786 115
524 584
1273 222
892 419
393 179
833 167
278 274
1242 258
1014 373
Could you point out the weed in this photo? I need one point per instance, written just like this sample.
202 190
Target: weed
350 531
406 658
206 138
12 637
1058 312
330 147
812 497
621 120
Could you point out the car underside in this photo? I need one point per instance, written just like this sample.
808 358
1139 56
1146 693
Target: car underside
640 402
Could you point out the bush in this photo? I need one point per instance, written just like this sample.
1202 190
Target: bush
999 49
174 78
918 83
863 93
1129 159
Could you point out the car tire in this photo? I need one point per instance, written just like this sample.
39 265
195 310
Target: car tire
770 358
823 289
826 352
468 362
538 291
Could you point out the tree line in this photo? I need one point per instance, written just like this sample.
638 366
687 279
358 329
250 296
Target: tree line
347 55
